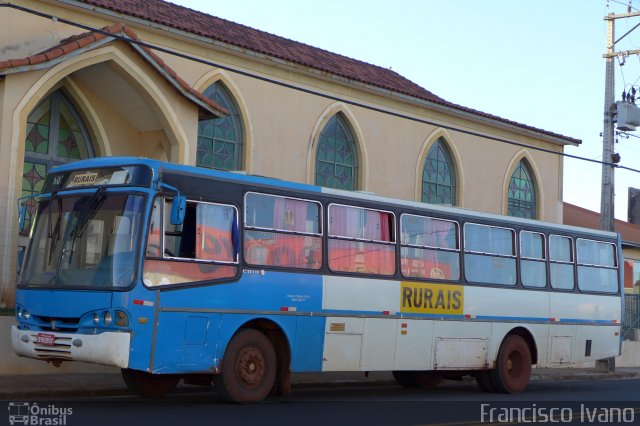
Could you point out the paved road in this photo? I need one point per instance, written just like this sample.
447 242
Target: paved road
452 403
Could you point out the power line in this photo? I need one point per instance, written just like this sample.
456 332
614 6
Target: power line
627 5
309 91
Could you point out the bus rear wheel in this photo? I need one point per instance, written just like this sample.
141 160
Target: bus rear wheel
513 366
248 368
428 379
405 379
149 385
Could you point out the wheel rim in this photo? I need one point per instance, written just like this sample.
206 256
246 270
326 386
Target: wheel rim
250 367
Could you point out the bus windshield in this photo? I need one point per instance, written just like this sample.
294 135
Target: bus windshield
87 240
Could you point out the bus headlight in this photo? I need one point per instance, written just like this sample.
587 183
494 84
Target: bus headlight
26 315
107 318
19 312
96 319
121 319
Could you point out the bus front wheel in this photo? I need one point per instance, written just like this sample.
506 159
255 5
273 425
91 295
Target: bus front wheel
248 368
483 379
513 366
149 385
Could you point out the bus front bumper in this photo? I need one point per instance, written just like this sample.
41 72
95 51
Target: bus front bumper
108 348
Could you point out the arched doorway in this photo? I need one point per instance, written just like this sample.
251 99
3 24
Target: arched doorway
56 134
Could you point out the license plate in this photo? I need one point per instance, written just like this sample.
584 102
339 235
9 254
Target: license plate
45 339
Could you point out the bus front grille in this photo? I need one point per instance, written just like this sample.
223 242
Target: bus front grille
66 325
61 348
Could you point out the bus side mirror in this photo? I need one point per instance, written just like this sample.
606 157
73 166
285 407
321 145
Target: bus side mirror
178 209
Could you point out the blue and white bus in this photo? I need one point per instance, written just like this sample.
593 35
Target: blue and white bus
173 272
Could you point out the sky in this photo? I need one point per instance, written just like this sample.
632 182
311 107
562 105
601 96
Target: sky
535 62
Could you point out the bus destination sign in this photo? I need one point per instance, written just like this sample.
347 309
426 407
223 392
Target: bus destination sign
84 179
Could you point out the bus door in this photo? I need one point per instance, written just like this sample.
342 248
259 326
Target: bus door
190 259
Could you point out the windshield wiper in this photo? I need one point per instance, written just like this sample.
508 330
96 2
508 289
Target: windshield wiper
92 204
82 221
54 234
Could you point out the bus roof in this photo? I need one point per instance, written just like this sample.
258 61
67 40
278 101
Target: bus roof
160 166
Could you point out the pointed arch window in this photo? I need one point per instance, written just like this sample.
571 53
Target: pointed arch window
56 134
337 157
439 184
522 192
220 140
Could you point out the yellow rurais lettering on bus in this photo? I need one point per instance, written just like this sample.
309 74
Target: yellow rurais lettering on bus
421 298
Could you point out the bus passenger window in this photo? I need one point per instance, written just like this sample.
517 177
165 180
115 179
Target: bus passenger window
282 231
430 248
199 249
214 239
597 266
561 257
361 240
489 256
533 268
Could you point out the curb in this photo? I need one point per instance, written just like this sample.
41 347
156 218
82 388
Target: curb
585 376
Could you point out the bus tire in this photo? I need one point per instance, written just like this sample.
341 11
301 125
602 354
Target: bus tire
248 368
149 385
405 379
513 366
428 379
483 379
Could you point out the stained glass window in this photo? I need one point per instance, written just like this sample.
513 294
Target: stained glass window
220 140
337 158
55 135
438 176
522 192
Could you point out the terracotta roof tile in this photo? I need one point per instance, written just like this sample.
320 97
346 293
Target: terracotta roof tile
37 59
52 54
75 42
69 47
202 24
19 62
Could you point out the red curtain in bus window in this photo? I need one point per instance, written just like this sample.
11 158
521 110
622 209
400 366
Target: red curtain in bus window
289 215
377 258
344 222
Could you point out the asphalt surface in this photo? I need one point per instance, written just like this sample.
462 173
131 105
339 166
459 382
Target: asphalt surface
60 385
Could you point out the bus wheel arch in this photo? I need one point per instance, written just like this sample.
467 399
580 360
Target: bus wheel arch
529 339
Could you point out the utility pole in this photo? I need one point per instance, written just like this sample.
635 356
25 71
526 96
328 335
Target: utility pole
608 157
607 190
